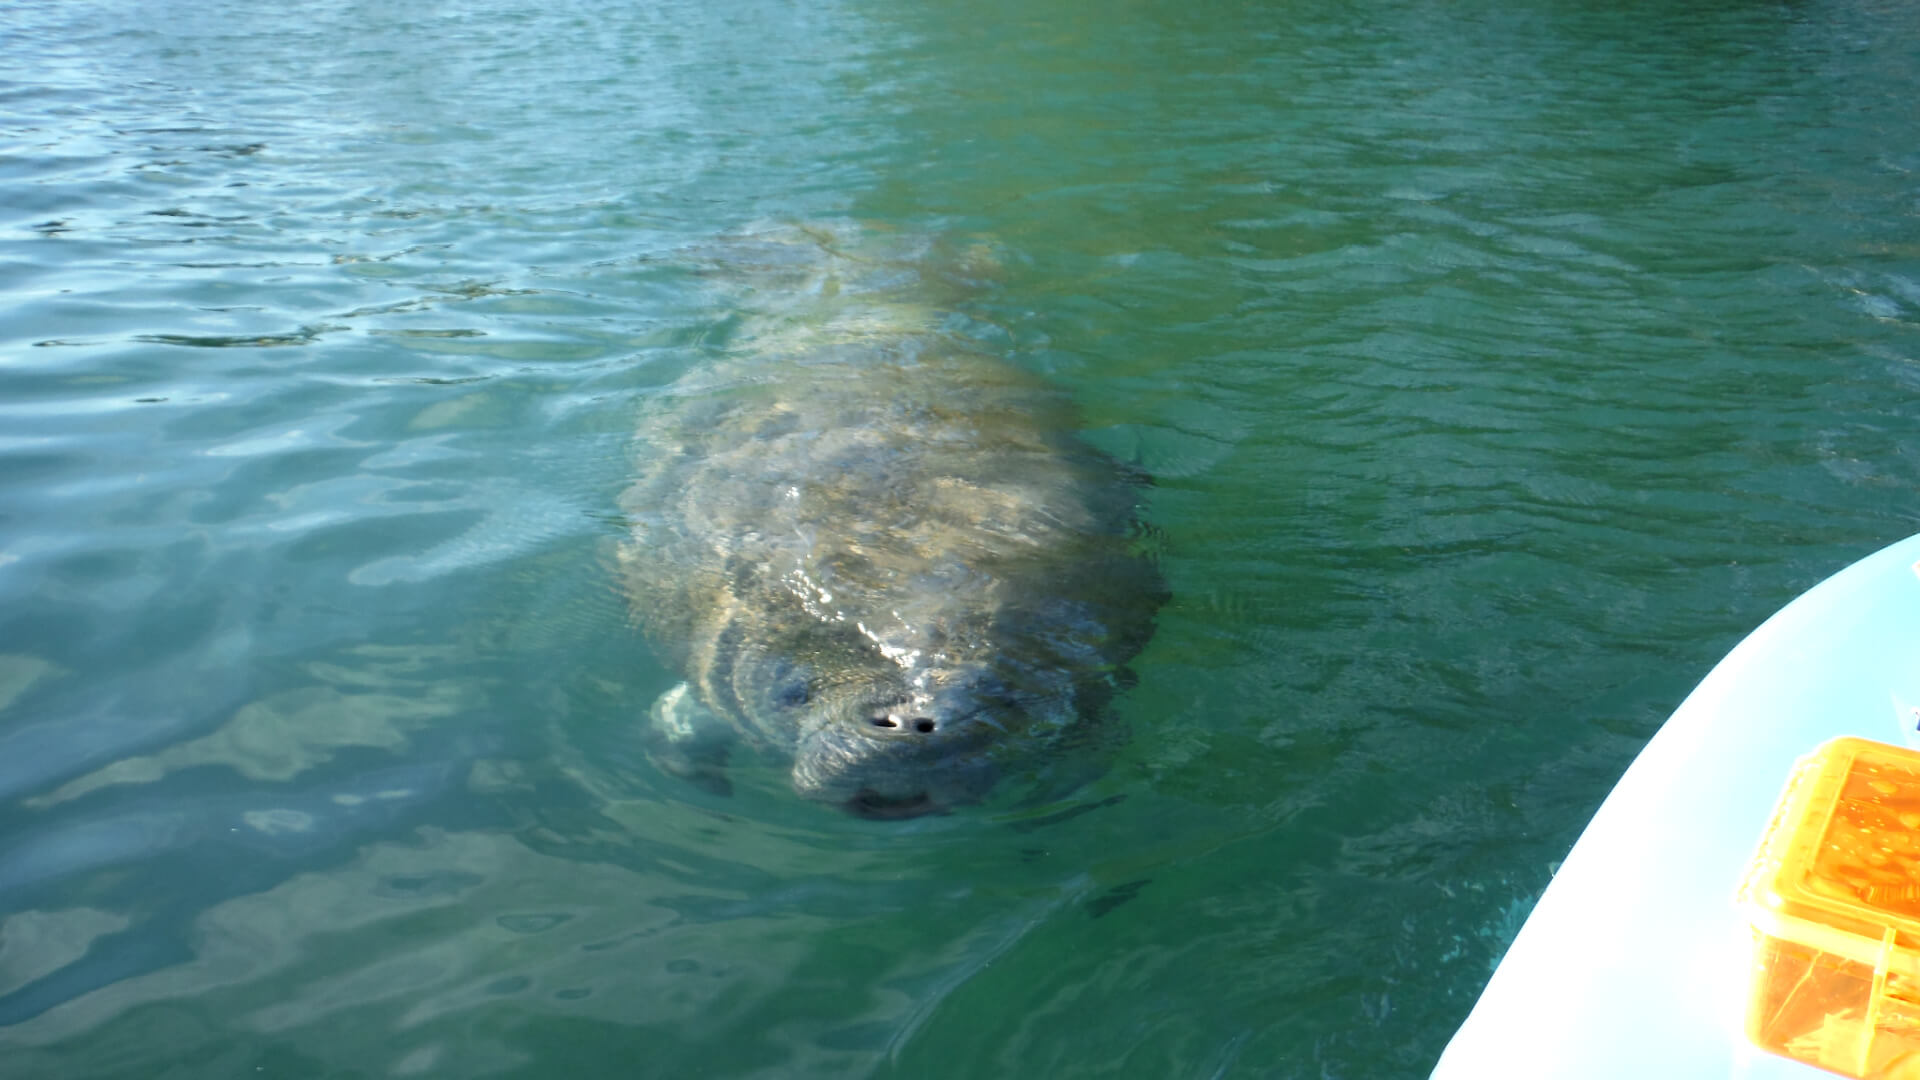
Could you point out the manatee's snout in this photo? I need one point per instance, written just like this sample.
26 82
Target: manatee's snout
916 752
956 709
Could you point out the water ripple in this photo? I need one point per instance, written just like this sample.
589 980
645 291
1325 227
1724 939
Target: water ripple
1498 367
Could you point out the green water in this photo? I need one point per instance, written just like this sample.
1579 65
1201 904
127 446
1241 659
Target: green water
1500 365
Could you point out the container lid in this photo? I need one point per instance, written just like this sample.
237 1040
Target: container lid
1843 850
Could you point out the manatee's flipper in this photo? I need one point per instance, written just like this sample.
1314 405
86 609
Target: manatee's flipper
689 740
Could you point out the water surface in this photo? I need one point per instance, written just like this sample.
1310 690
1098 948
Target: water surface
1499 365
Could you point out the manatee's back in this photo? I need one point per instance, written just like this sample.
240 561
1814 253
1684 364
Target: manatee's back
928 466
849 459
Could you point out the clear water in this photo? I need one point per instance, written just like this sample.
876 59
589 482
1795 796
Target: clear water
1501 364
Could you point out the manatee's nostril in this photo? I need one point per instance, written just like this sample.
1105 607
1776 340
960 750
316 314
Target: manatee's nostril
925 725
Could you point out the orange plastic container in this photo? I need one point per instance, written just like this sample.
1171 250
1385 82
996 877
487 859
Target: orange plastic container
1833 896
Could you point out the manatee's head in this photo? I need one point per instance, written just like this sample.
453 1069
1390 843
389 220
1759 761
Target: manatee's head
886 750
893 725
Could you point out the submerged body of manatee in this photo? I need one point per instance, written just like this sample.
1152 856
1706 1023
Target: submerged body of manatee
874 549
423 488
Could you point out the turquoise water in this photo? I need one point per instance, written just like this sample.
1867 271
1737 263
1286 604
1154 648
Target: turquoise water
1500 365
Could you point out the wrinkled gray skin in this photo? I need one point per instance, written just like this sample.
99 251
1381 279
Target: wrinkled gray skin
875 548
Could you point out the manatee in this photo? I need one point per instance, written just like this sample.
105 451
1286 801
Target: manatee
874 549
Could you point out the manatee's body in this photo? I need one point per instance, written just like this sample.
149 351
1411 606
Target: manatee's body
874 548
